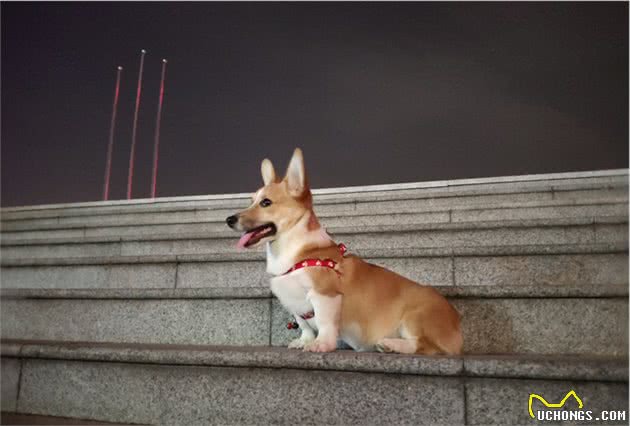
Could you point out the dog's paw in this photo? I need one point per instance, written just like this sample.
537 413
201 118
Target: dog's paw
299 343
296 344
320 346
382 347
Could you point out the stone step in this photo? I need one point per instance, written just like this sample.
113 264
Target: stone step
458 266
459 210
30 420
435 235
165 384
126 225
567 186
156 213
517 319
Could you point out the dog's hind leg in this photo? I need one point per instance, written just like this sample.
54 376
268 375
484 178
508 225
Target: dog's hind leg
407 344
424 335
401 346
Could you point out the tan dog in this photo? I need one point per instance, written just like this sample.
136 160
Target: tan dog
338 296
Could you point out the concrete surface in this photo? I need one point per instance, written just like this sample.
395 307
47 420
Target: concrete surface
189 385
554 321
193 395
10 369
519 366
458 209
205 321
601 179
557 232
258 292
26 419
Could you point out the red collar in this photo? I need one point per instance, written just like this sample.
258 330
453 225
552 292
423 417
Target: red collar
327 263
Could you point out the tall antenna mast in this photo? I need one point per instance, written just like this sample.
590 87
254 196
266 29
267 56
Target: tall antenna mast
135 125
156 143
110 145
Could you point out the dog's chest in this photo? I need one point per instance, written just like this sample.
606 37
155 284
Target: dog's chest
292 291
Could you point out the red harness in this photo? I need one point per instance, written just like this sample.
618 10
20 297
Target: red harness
327 263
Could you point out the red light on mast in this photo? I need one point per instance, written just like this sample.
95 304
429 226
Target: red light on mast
110 145
156 143
135 125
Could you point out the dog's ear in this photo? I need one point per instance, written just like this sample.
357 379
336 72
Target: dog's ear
267 171
296 176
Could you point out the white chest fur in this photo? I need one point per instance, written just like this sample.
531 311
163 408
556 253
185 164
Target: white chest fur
293 290
283 252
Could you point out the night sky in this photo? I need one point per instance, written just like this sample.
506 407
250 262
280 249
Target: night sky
373 92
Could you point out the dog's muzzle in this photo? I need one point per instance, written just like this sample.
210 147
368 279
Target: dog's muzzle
231 221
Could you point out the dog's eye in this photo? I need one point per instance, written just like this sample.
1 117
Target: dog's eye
265 203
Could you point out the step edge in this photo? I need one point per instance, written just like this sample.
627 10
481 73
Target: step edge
372 253
621 173
584 291
338 230
549 367
349 214
605 199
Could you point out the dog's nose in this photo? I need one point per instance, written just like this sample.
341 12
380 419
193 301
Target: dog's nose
231 221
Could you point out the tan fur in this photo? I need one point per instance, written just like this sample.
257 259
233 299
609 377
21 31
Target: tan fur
285 210
383 302
388 311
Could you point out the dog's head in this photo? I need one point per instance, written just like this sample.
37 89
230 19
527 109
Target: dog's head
277 206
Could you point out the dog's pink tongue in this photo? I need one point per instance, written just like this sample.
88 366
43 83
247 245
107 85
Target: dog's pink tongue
244 239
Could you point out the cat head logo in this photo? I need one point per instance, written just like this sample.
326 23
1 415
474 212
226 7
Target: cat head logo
553 405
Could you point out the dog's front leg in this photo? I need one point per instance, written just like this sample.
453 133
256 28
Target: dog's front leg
327 313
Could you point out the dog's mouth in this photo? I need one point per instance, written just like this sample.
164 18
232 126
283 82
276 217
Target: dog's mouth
253 236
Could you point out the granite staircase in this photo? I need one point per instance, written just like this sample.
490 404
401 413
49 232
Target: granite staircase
143 312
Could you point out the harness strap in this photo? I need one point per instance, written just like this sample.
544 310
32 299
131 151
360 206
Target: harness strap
327 263
292 325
